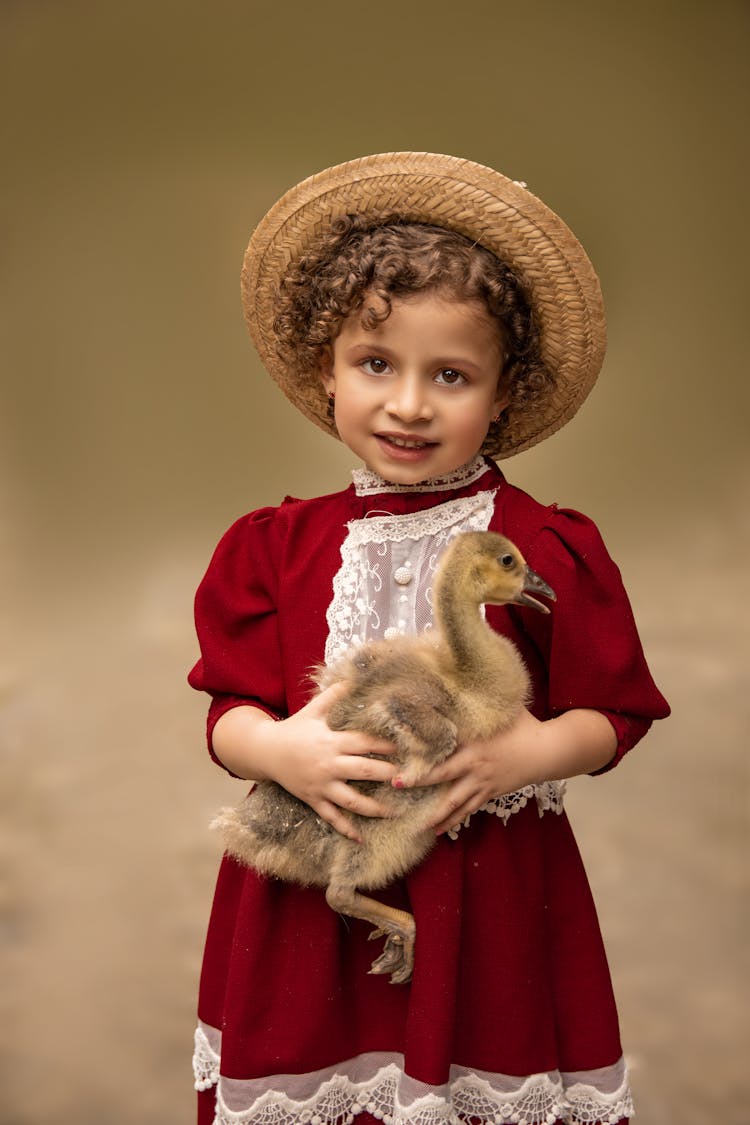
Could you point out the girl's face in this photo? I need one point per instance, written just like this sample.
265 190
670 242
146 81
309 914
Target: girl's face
415 395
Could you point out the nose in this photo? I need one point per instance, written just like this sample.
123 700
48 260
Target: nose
409 400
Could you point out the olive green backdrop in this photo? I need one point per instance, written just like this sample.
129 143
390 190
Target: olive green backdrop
141 143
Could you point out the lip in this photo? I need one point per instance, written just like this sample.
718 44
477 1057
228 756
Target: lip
416 447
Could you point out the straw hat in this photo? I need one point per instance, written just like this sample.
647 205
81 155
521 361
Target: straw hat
475 201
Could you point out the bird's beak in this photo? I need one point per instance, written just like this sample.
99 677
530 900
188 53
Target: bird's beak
533 583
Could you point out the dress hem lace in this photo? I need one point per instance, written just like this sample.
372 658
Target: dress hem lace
377 1084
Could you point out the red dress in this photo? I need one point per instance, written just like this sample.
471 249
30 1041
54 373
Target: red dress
509 1016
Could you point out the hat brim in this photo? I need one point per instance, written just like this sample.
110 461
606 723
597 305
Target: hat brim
485 206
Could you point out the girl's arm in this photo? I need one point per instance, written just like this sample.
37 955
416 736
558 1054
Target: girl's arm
530 752
304 755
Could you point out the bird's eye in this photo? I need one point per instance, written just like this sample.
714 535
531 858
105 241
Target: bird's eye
507 561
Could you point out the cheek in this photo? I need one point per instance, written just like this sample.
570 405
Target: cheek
492 403
347 410
473 425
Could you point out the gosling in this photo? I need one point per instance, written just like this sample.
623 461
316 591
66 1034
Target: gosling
428 695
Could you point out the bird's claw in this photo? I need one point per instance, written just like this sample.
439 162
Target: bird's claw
397 959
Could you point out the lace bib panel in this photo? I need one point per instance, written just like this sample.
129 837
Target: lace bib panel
388 563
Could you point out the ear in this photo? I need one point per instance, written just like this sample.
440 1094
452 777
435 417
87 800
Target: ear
502 394
325 369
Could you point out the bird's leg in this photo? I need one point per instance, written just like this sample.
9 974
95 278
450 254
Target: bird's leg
396 925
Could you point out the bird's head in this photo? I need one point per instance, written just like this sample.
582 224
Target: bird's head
490 569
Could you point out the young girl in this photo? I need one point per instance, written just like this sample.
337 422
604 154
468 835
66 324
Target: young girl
432 315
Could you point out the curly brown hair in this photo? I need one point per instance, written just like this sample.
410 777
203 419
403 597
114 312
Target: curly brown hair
356 260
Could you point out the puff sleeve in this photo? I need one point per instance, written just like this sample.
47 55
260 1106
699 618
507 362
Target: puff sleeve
236 621
589 643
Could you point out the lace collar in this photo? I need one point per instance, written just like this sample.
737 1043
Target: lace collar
367 483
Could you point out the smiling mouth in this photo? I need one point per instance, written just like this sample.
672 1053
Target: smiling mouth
404 442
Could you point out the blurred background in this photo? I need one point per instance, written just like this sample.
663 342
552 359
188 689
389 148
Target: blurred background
141 144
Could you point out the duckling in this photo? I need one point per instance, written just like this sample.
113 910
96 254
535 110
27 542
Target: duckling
428 695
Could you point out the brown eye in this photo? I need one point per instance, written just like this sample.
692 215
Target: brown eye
450 377
374 365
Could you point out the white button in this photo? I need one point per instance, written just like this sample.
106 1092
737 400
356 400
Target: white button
403 576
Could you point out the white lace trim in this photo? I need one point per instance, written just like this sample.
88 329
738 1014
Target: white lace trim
206 1056
376 1083
549 797
367 600
367 483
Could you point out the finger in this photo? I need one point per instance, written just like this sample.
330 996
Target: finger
369 769
338 820
350 799
456 818
355 742
453 768
436 776
322 702
372 808
459 802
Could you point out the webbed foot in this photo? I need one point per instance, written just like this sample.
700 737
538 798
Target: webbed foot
397 957
397 926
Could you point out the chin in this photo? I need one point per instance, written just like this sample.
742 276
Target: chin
398 473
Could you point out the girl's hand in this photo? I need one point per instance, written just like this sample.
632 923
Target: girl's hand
309 759
479 771
315 763
529 752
